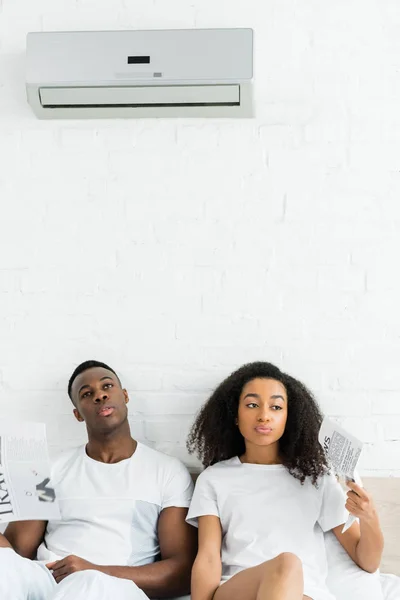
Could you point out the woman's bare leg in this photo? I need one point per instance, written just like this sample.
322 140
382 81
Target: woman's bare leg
278 579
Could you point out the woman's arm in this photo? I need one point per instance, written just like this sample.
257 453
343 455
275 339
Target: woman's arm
363 542
207 568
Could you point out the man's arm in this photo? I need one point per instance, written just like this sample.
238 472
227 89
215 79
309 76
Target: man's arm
26 536
171 575
165 578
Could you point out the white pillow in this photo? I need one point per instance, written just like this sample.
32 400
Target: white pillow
346 581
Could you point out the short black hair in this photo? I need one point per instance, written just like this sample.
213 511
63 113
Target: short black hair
214 435
85 366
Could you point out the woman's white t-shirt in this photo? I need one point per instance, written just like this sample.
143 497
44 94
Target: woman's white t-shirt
265 511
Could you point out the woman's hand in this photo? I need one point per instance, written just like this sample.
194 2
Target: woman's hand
360 503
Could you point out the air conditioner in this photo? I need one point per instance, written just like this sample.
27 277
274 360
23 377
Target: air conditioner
161 73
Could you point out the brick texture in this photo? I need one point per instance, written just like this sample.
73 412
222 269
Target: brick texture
177 250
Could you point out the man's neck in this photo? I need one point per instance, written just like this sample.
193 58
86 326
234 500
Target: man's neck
111 450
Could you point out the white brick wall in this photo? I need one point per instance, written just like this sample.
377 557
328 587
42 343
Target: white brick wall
177 250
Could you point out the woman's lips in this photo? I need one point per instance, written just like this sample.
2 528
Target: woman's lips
264 430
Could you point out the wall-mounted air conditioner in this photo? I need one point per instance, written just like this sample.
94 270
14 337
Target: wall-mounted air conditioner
173 73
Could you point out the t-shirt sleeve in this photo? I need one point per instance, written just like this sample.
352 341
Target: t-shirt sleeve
178 489
204 500
333 512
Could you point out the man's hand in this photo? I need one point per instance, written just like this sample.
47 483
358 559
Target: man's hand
360 503
70 564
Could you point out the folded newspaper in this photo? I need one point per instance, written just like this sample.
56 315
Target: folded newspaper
25 487
343 451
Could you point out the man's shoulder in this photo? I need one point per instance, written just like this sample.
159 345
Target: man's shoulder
164 477
65 459
158 460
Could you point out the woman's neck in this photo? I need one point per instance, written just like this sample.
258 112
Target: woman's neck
261 455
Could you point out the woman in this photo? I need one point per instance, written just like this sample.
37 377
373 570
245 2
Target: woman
266 495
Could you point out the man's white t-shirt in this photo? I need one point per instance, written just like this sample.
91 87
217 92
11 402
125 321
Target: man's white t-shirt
265 511
109 512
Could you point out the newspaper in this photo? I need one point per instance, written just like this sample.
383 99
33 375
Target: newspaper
343 451
25 489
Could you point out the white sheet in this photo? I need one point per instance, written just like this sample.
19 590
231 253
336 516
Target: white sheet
390 587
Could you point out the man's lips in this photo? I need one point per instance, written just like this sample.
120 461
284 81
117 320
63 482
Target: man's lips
263 429
105 411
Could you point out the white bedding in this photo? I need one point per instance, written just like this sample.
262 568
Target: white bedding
347 581
390 587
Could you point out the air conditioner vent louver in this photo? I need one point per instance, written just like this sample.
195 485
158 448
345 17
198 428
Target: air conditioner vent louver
174 73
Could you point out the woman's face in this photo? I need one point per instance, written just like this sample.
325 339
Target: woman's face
262 411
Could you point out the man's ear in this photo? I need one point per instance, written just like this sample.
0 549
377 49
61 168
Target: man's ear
78 416
126 396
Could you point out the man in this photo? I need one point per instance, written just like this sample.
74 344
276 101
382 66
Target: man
122 532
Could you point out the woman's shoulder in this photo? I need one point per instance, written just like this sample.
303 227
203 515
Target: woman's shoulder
326 482
218 470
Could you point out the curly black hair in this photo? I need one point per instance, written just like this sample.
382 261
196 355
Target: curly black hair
214 436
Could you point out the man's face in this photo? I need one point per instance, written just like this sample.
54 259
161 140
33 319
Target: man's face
99 400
